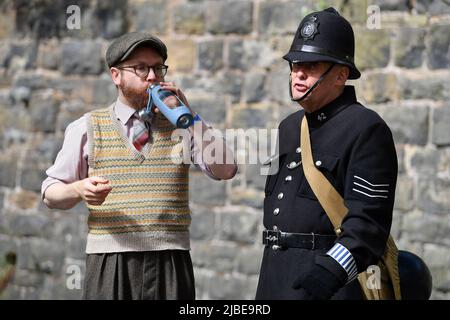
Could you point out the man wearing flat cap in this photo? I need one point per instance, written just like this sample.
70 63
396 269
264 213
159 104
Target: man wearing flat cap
349 150
121 165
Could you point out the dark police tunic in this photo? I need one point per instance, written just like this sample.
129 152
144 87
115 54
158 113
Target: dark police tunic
353 147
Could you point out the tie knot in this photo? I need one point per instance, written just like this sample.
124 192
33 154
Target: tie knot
137 115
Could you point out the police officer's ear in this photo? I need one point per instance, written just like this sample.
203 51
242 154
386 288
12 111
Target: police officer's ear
342 74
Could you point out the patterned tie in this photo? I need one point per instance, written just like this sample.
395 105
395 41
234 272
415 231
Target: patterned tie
140 135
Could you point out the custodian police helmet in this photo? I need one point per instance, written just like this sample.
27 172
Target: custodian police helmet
324 36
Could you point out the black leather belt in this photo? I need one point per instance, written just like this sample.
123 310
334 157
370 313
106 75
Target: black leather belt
281 240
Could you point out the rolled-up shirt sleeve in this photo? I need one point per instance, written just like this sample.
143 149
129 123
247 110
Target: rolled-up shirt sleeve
71 162
197 160
197 156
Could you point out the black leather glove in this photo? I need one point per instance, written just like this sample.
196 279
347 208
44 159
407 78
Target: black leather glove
322 278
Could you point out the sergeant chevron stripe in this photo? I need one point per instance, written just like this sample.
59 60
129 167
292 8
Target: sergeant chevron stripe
149 197
371 190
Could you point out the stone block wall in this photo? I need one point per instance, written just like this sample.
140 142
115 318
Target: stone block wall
226 55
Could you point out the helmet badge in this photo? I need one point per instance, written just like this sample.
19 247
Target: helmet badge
310 28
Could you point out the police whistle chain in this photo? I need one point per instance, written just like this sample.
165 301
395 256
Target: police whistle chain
313 87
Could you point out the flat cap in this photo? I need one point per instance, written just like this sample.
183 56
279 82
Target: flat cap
122 47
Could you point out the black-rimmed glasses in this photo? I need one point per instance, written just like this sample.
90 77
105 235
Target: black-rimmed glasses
142 70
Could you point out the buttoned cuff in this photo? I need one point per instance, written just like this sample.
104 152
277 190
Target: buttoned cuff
345 260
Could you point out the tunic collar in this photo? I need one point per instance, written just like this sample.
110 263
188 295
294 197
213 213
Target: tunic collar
321 116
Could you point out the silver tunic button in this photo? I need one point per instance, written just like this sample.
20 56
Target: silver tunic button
318 163
276 211
288 178
292 164
280 196
298 150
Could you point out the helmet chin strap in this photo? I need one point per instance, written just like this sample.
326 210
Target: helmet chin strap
310 89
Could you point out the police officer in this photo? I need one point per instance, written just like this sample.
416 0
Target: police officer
354 149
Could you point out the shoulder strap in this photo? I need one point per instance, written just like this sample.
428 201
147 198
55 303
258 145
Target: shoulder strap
330 200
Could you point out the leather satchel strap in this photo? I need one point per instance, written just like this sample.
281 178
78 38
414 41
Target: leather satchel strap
330 200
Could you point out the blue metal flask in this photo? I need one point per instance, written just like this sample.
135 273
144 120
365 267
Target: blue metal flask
179 115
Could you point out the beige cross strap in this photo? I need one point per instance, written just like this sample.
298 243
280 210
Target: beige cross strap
333 204
329 198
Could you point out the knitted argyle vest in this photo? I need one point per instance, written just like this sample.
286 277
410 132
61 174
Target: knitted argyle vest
148 206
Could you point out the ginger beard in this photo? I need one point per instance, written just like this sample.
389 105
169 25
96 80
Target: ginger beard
137 97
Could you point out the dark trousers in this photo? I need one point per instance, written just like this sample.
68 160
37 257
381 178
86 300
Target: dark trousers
148 275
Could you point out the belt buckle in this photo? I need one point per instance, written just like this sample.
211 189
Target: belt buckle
313 241
273 236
